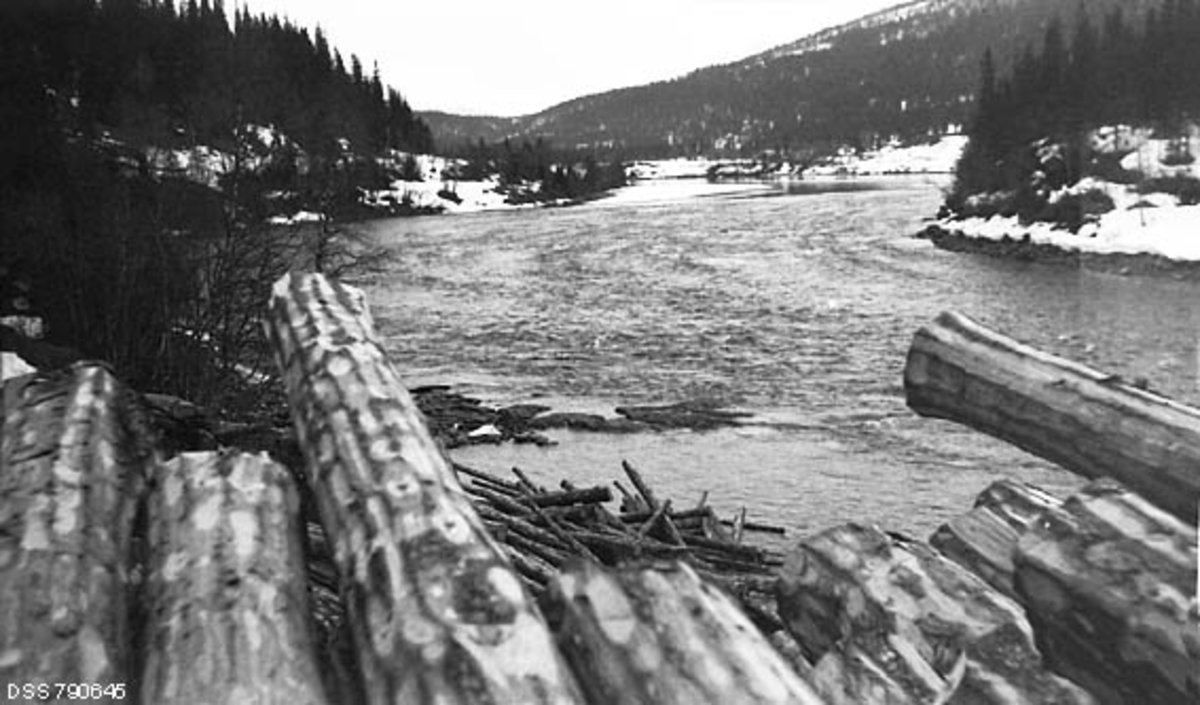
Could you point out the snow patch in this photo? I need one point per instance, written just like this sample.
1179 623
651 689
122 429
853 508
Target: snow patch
1151 225
12 365
895 158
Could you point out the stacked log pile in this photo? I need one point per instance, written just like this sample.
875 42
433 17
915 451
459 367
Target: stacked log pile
891 620
1108 578
428 581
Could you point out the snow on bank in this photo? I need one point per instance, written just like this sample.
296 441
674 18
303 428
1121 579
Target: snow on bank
297 218
1150 224
1153 157
1155 223
11 365
449 196
937 158
1172 232
672 190
679 168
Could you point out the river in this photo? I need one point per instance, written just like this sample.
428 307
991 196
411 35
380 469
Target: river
796 302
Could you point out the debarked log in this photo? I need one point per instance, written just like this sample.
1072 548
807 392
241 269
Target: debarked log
1109 583
227 617
437 611
888 618
984 539
1088 422
656 633
71 473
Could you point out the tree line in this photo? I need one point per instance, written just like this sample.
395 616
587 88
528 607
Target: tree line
155 71
559 173
155 272
1109 72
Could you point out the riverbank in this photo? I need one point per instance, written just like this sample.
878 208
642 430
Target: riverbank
1021 243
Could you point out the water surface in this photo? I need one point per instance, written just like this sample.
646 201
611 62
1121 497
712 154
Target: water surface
797 303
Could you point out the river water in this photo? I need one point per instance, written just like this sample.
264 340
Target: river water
795 302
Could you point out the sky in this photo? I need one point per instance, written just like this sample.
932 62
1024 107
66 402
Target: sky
516 57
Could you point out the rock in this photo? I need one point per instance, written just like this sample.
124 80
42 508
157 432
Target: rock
517 416
695 415
488 433
532 437
569 419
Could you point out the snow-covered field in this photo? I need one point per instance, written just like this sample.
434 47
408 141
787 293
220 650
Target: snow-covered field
680 168
671 190
936 158
1149 224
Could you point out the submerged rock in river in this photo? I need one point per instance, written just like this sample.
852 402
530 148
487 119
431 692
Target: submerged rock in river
461 420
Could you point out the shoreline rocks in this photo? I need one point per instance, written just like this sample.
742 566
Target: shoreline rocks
1024 249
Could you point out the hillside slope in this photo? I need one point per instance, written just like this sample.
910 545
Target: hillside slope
910 71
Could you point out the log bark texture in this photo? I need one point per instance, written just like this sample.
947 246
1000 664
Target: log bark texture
659 634
228 614
1088 422
1109 583
898 620
437 611
984 539
74 460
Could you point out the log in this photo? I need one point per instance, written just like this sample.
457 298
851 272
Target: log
1087 422
984 539
587 495
437 611
896 613
651 502
228 613
1109 583
658 634
75 454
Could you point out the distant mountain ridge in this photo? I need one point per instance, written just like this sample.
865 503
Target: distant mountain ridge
909 71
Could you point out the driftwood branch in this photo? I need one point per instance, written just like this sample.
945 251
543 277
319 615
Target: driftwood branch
1089 423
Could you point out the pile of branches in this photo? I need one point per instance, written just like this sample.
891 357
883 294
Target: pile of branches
542 529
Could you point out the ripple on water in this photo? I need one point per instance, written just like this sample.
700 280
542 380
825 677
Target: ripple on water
799 307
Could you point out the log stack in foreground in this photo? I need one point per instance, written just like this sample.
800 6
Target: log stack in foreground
439 565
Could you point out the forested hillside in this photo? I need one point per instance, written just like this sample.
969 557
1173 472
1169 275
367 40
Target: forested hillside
144 142
1033 131
910 72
